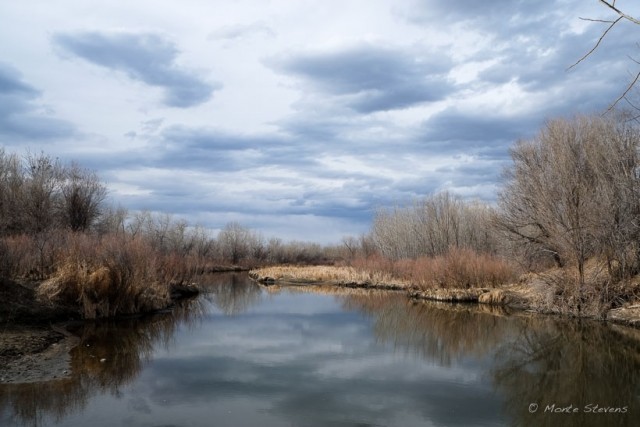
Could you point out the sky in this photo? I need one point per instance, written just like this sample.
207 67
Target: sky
299 119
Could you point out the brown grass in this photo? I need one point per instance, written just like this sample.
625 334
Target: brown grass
340 275
108 277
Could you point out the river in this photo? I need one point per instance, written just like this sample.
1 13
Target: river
245 355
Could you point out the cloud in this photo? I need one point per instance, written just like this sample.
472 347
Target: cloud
146 57
22 119
464 128
370 78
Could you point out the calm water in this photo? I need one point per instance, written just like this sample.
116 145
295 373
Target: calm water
245 356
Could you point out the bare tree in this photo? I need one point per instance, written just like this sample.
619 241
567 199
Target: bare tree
113 220
234 240
82 197
43 179
433 226
11 194
572 192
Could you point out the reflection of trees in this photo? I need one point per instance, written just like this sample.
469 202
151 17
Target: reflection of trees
440 332
233 293
538 359
110 354
561 362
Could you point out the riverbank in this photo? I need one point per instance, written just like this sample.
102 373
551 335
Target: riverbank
34 341
32 346
531 293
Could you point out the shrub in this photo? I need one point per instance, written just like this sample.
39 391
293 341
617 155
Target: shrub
458 268
113 276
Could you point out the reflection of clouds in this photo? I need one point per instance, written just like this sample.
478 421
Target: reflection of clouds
345 358
318 368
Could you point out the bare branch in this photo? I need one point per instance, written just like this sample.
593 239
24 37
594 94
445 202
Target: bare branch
613 7
606 21
585 56
623 96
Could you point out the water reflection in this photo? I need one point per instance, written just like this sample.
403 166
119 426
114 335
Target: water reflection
580 366
232 293
544 361
439 332
313 360
110 354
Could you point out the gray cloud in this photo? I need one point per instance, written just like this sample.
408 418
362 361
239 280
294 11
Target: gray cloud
21 118
146 57
370 78
463 128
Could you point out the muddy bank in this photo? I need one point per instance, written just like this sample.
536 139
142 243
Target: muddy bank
34 345
34 341
32 355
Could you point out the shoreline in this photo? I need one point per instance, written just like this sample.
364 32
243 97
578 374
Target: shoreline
34 340
514 296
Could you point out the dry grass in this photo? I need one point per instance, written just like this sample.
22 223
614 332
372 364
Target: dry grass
108 277
340 275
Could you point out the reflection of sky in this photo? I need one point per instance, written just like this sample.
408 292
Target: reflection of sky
294 359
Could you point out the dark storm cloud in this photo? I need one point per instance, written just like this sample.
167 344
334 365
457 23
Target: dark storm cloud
21 118
149 58
370 78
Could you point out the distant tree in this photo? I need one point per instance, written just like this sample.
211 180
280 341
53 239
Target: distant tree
83 196
234 241
43 180
113 220
11 194
431 227
351 244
